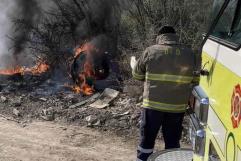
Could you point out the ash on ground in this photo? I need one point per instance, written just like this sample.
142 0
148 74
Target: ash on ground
121 116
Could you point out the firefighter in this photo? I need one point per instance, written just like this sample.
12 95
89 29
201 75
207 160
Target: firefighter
167 70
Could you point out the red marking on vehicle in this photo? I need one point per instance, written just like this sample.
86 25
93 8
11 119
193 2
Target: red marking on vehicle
236 106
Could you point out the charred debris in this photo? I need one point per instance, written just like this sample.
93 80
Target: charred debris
73 73
74 42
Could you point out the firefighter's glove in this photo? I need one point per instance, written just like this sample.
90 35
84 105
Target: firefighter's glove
133 62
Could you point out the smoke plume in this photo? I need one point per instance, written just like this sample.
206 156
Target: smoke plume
26 11
12 40
5 26
83 20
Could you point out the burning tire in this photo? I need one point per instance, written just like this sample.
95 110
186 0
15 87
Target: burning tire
86 69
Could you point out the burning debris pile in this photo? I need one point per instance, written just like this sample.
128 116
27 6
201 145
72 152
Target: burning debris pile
75 38
74 45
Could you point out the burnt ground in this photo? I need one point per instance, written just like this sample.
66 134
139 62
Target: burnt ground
25 102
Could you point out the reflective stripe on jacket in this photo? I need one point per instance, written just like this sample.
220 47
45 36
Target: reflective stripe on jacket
167 69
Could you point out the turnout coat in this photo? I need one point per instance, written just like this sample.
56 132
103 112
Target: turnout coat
167 69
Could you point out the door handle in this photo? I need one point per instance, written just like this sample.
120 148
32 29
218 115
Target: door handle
204 72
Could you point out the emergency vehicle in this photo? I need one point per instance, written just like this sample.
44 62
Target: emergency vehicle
215 111
218 98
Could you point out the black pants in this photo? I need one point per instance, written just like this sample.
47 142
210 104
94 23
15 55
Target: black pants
151 122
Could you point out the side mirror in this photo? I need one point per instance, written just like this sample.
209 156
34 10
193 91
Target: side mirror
202 72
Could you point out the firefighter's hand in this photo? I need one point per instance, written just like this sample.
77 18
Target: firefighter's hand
133 62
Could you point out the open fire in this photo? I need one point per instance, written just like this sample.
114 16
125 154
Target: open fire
87 47
90 64
84 79
94 34
38 69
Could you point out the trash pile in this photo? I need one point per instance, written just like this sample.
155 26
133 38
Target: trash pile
108 110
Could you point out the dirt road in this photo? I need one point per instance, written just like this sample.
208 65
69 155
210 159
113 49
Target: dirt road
47 141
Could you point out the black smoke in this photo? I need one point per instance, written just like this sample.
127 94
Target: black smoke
25 12
51 28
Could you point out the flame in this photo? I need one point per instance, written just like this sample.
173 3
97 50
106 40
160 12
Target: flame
38 69
87 73
85 89
87 47
16 70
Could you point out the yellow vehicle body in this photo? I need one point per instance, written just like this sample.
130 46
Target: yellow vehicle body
220 87
221 57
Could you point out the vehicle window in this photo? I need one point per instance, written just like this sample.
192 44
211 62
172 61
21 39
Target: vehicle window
223 28
235 34
217 4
